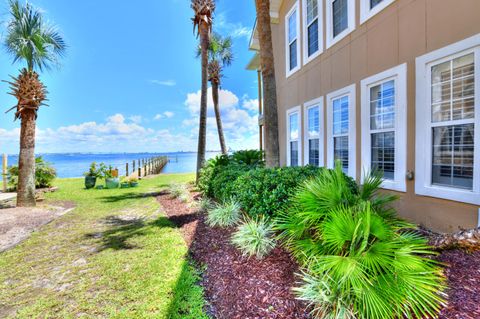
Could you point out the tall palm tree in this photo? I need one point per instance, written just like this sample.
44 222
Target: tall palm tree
220 56
202 21
272 156
29 39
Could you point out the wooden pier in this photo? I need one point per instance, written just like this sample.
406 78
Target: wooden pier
145 167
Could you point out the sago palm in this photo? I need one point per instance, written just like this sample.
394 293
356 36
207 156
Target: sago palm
202 21
29 39
220 56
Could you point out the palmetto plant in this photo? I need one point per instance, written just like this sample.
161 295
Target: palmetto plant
29 39
360 260
202 21
220 56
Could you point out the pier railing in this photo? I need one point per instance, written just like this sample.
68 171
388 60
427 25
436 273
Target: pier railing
146 166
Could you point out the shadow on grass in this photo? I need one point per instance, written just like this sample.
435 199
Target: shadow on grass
123 229
130 196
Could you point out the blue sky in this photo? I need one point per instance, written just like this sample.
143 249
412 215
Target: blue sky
130 81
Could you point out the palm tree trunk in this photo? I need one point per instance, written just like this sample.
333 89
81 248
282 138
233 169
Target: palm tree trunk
26 161
202 129
272 153
218 117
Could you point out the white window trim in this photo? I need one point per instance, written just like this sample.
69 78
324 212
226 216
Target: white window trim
423 162
399 75
349 91
307 58
321 136
296 109
367 13
331 40
287 44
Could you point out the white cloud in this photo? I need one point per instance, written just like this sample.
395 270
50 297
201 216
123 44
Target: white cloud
136 119
166 114
250 104
235 30
164 82
240 127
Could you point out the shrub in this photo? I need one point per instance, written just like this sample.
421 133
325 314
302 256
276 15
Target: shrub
255 237
248 157
360 260
269 191
45 174
178 190
224 215
223 182
238 162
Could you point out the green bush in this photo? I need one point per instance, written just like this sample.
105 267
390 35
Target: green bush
255 237
224 215
238 162
223 182
360 260
45 174
269 191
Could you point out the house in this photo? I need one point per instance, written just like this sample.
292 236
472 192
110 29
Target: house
387 84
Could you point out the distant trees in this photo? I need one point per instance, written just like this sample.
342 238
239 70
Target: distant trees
29 39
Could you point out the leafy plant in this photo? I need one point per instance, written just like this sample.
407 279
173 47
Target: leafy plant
249 157
205 204
93 171
268 191
360 260
45 174
255 237
177 190
224 215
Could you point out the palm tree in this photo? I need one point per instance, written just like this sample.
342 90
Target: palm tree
202 21
220 55
32 41
272 156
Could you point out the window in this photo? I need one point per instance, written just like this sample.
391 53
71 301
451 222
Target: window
384 125
292 31
314 133
312 29
369 8
293 137
448 121
341 129
340 20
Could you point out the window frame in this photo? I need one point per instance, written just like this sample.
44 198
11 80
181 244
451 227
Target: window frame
366 13
321 131
294 10
424 124
307 58
349 91
399 75
293 110
330 39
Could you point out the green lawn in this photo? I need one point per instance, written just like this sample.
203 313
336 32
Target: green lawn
114 256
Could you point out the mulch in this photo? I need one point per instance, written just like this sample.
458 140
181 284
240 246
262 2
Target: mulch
238 287
463 273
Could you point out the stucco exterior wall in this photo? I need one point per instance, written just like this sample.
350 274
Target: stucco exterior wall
399 34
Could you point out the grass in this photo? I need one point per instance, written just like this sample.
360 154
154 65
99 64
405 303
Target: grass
115 256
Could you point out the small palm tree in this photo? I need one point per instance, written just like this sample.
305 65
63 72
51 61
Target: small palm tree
220 56
202 21
32 41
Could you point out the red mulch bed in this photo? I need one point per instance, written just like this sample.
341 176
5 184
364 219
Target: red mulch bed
463 273
238 287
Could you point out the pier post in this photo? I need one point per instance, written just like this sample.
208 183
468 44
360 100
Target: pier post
126 170
4 171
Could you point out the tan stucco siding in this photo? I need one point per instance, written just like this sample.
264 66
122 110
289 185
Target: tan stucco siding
399 34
